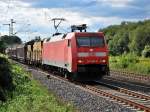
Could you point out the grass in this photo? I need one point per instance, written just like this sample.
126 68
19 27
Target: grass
131 63
30 96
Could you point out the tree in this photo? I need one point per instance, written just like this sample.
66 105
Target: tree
141 38
10 40
119 43
128 37
2 46
6 41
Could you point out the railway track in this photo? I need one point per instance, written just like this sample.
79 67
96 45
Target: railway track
144 88
126 91
131 76
123 96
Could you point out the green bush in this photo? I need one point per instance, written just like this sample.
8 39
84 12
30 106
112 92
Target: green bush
143 68
6 82
146 51
123 61
130 62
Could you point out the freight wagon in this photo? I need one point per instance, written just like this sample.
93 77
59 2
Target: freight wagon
21 52
37 52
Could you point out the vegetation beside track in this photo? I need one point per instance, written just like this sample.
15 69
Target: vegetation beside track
23 94
129 37
130 63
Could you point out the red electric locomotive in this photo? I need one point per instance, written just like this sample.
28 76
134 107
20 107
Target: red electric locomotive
78 55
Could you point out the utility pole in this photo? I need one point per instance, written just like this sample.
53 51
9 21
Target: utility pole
11 27
8 27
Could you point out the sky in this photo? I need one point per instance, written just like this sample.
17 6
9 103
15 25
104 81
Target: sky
33 17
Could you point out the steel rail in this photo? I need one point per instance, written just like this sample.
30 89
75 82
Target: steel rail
119 99
126 91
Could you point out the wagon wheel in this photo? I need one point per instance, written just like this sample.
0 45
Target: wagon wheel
66 75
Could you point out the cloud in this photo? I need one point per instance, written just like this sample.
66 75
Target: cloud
33 17
60 4
116 3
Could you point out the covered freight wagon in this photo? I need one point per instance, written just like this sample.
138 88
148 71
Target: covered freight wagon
29 52
21 52
37 52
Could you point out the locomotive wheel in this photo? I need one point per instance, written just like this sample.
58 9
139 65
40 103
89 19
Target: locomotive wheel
72 77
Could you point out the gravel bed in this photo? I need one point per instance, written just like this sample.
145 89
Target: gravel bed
83 101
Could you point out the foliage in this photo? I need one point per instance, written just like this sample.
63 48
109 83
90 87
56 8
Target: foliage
30 96
2 46
130 62
6 41
146 51
10 40
121 44
6 84
128 37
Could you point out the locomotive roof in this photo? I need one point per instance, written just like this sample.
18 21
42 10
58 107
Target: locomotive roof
55 38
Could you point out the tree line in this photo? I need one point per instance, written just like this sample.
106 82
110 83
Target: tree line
6 41
129 37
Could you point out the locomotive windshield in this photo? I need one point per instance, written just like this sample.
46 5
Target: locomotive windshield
90 41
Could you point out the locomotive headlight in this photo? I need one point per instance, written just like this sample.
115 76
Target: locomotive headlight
103 60
80 61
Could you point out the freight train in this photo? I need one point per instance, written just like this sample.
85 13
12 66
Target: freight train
79 56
